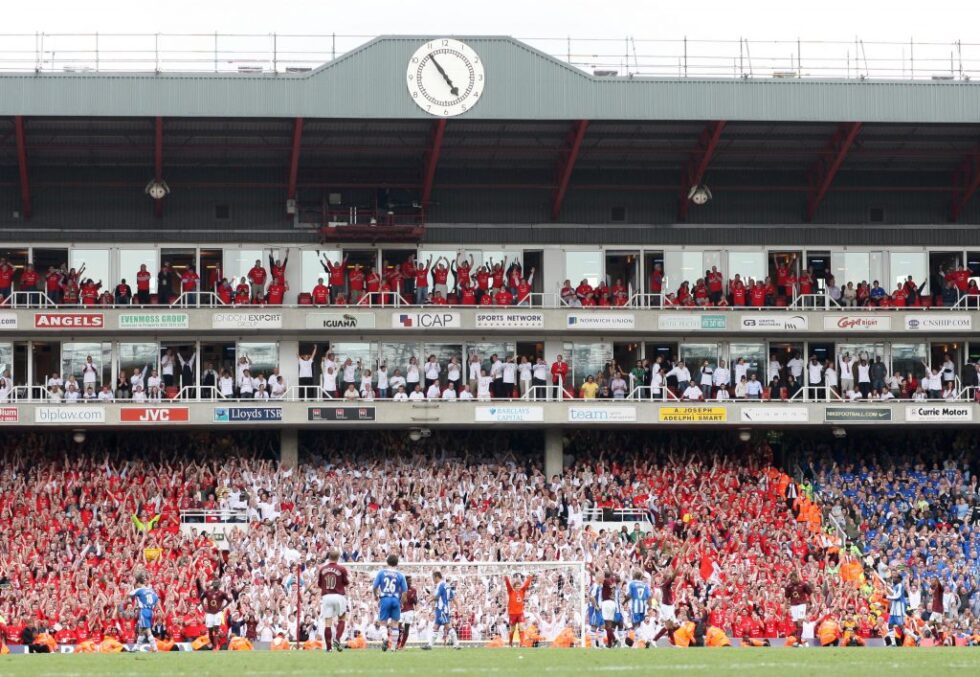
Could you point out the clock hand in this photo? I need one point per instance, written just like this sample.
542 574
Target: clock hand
452 88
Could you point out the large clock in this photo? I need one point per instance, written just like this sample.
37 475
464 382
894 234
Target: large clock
445 77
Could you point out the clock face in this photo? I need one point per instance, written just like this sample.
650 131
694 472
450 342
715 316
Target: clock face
445 77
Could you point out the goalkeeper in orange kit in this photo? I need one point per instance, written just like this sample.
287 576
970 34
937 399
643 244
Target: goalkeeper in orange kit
515 607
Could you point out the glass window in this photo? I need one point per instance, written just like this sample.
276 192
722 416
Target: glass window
74 355
138 355
7 361
861 350
397 354
851 267
903 264
96 263
312 270
487 348
443 352
750 265
583 266
130 261
239 261
754 355
362 354
264 356
907 358
587 359
682 266
694 354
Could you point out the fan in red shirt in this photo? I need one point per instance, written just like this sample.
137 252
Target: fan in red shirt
461 267
738 291
29 279
276 292
758 295
583 290
524 289
225 292
54 285
497 273
242 293
337 275
188 283
559 371
277 268
256 277
6 279
143 277
468 294
356 282
321 293
716 284
90 292
502 297
482 281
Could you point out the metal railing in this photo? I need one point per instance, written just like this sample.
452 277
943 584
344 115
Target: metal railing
626 56
225 515
813 302
197 299
615 515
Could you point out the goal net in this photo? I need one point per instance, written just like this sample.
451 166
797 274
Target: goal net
554 604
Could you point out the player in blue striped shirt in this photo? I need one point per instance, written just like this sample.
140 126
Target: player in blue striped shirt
638 595
146 600
389 587
443 596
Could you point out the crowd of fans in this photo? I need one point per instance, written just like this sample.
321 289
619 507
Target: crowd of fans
728 530
493 283
909 504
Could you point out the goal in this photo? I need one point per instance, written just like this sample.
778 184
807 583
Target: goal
555 603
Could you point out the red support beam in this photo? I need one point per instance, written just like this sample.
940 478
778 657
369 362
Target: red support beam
966 182
294 159
697 164
566 165
822 172
432 160
25 186
158 162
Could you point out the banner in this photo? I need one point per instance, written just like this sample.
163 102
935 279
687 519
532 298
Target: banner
671 321
762 322
930 321
600 319
340 413
246 414
602 414
153 414
340 321
9 415
444 320
858 323
246 320
846 414
154 321
509 320
509 414
775 413
8 320
693 414
938 413
69 320
70 413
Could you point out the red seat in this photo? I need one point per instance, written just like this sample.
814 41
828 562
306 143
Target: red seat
305 299
171 392
154 299
926 302
766 393
781 301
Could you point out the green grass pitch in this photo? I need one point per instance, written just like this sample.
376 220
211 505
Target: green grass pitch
503 662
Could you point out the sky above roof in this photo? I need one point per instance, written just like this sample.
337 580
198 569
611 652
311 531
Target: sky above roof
942 21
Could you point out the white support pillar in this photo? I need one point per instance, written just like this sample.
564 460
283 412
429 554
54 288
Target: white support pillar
554 452
289 361
289 447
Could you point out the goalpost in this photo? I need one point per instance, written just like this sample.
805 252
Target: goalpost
556 600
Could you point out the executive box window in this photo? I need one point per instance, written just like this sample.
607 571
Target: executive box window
73 358
581 265
95 262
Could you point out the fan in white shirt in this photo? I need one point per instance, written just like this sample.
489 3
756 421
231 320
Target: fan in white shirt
417 394
466 393
449 393
722 375
434 392
400 395
692 393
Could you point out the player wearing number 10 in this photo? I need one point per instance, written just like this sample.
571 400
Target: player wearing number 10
389 586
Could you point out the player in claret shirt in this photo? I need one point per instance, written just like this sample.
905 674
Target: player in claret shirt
409 600
332 579
214 600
